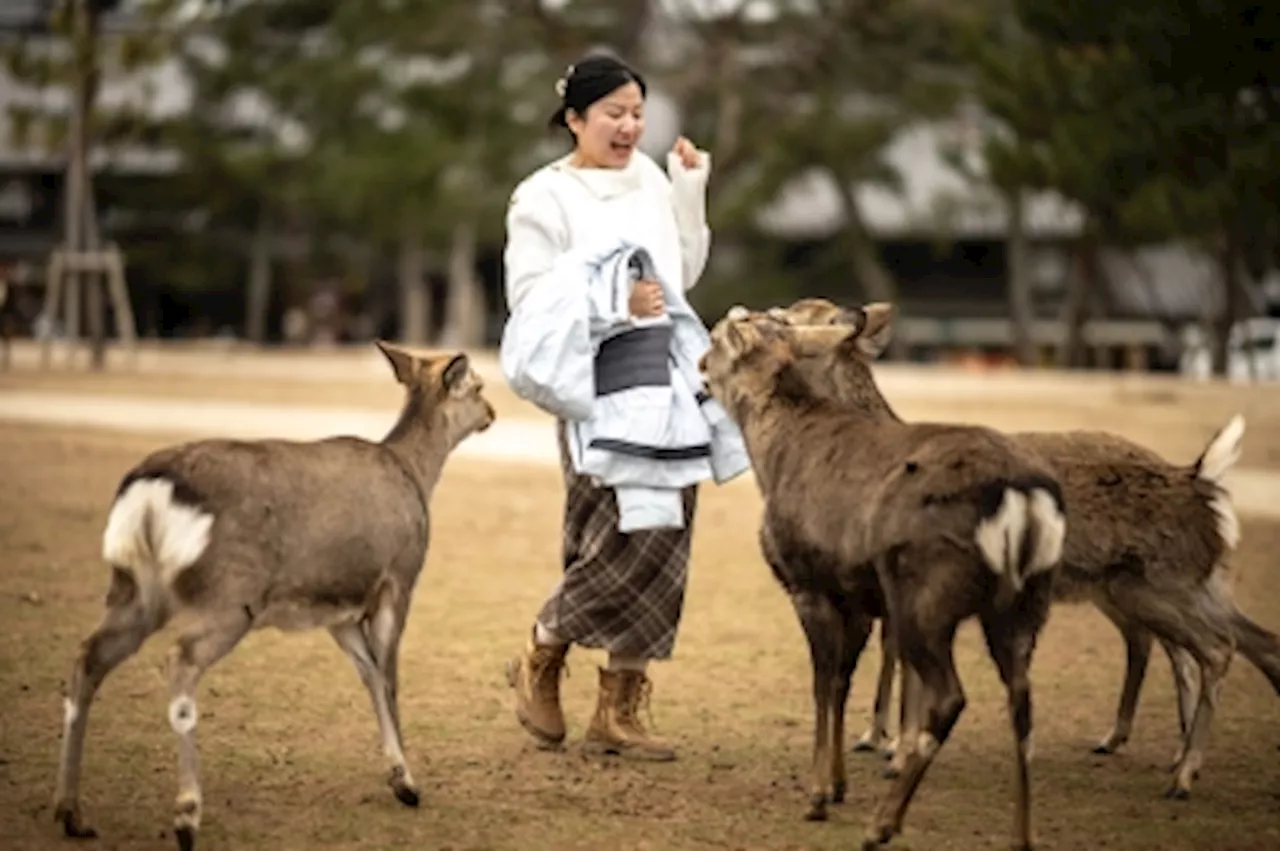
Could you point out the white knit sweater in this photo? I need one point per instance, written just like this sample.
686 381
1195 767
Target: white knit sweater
560 208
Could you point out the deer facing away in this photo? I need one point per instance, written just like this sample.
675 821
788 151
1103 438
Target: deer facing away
226 537
1146 545
954 522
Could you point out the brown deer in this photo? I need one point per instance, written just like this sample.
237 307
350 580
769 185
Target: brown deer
954 521
233 536
1139 524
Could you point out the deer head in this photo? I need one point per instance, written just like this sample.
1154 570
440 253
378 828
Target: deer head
443 391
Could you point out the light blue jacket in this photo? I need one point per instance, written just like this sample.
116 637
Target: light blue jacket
629 390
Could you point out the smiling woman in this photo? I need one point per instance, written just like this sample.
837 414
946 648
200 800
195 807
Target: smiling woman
601 351
604 111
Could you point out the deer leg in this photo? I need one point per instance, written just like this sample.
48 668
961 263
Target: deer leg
877 735
124 627
1197 620
911 716
823 630
1011 646
943 701
857 629
1213 654
1137 645
194 653
373 647
1183 666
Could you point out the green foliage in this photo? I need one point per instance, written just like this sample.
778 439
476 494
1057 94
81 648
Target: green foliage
1123 108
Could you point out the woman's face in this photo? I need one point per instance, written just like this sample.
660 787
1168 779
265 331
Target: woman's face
610 129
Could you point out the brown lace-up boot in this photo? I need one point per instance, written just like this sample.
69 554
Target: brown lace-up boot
616 727
535 676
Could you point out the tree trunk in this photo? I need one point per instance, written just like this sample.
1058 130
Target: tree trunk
464 322
728 133
1021 313
1234 302
73 219
259 296
85 36
1080 289
415 294
876 281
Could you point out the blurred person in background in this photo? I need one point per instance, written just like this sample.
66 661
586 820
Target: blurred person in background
621 591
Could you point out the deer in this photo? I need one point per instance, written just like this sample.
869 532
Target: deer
1173 526
225 537
949 522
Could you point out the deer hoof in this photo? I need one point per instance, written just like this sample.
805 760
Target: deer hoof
817 808
186 837
406 792
68 815
1109 745
869 743
877 837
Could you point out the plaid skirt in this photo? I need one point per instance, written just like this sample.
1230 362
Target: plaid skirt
620 592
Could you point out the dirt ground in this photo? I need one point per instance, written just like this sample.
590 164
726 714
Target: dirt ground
289 743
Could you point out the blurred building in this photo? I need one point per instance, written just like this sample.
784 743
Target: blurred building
943 239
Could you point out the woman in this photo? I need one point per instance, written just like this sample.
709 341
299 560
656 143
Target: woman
621 591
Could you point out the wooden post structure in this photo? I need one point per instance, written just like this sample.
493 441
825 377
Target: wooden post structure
79 260
67 266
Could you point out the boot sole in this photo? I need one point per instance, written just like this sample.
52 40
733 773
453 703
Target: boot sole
595 747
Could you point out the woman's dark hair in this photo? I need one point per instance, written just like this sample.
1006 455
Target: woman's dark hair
588 81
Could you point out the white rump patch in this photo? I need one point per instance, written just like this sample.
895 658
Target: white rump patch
1050 528
182 715
1219 457
1000 535
1228 522
175 536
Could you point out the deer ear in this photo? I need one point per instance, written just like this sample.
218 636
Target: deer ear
402 363
455 371
740 337
811 340
877 329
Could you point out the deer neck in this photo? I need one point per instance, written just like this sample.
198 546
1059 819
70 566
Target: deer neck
770 426
862 397
850 386
421 439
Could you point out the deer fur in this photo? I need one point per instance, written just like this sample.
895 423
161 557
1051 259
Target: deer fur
1142 529
229 536
953 521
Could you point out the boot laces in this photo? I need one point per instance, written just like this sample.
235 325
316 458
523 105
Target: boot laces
544 669
638 698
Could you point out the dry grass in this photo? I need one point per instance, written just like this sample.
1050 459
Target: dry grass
289 743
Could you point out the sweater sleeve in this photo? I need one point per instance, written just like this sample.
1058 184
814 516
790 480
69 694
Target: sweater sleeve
689 198
536 238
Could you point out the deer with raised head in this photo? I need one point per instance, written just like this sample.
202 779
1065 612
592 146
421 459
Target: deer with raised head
228 536
1147 545
954 521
